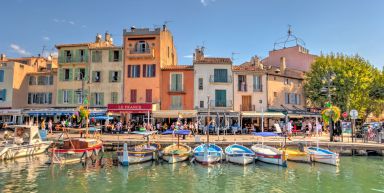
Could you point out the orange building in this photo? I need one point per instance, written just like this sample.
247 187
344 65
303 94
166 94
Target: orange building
145 53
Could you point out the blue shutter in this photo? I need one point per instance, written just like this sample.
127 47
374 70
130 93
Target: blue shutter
1 75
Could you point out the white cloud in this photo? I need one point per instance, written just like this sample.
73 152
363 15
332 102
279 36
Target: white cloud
46 38
56 20
206 2
71 22
20 50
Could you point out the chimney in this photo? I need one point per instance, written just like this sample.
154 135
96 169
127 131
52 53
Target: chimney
164 27
133 29
199 54
98 38
107 37
3 57
283 65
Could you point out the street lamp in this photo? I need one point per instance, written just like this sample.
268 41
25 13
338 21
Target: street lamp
328 79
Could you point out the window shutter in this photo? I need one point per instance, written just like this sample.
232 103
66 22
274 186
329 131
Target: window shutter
286 98
111 55
77 73
129 71
70 74
4 94
50 98
101 98
86 55
118 76
110 76
86 74
173 82
60 97
61 74
292 98
154 70
144 70
1 75
120 55
70 96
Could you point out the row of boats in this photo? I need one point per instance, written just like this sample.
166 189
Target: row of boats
26 141
210 153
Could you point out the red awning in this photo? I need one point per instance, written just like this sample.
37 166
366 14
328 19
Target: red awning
130 108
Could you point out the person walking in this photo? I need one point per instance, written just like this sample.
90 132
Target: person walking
42 125
289 129
50 125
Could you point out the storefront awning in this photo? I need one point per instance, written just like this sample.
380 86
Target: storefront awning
302 115
130 108
16 112
60 112
174 114
259 114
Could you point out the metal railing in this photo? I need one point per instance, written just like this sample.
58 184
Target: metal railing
247 107
212 79
71 59
220 104
140 51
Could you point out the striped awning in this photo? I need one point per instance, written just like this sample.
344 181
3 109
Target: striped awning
174 114
259 114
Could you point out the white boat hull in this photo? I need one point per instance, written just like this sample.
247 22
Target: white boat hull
242 160
72 157
16 151
208 159
326 159
174 158
139 159
275 157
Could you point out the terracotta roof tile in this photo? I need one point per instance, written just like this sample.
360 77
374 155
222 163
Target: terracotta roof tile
178 67
213 61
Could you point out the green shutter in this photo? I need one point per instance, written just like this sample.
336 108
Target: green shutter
173 82
76 55
102 99
93 76
110 76
93 55
92 98
111 55
86 55
119 76
70 74
61 56
60 96
86 75
61 74
77 73
120 55
70 96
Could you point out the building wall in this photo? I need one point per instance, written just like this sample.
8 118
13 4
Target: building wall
105 85
297 57
188 89
20 84
255 95
43 89
158 40
277 86
205 71
7 83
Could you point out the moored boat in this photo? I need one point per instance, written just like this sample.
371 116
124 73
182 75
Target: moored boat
323 156
176 153
208 154
269 154
297 155
239 154
25 141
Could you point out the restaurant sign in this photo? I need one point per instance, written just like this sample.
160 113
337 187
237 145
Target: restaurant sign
130 108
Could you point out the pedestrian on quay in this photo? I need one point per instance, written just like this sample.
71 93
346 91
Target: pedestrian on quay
319 128
50 125
309 129
289 128
42 125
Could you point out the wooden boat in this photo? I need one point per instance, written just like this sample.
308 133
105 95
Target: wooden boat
139 153
269 154
297 155
208 154
176 152
239 154
24 141
323 156
74 150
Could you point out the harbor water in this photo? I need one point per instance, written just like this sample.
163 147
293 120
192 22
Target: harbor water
355 174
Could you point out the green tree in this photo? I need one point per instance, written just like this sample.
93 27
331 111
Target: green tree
357 84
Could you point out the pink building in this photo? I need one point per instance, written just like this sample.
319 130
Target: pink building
296 57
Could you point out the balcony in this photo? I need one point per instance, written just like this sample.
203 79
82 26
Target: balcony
221 104
172 90
70 59
212 79
247 107
148 53
176 107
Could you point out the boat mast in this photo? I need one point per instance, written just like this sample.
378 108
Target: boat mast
208 121
317 134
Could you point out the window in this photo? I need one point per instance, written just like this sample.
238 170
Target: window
257 86
220 98
114 76
67 74
149 70
96 56
286 81
98 98
142 47
1 75
66 94
114 97
80 73
200 83
49 66
79 96
3 95
96 76
201 104
220 75
50 80
297 99
176 103
148 95
67 55
43 80
242 83
275 94
133 71
32 80
133 95
82 53
116 55
39 98
176 82
292 99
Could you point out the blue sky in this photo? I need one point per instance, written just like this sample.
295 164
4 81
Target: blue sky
246 27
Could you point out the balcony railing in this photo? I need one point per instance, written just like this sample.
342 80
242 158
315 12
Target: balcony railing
221 103
176 107
247 107
212 79
176 90
70 59
148 53
140 51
